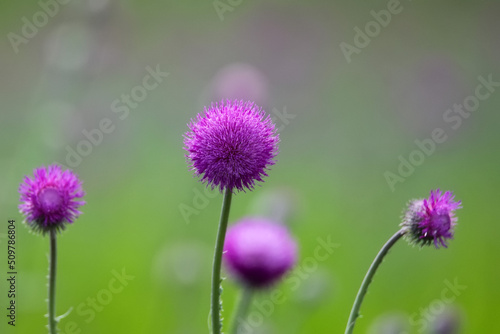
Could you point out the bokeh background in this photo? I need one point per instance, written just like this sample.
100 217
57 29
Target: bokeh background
347 124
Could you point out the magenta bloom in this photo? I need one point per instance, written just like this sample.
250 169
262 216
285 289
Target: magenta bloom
231 145
258 252
49 199
431 220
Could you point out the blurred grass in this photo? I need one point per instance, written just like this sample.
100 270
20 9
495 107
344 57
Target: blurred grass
349 129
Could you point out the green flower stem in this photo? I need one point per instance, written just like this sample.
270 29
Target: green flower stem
241 311
52 283
368 279
216 280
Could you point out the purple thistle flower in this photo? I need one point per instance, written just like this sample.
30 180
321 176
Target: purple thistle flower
231 145
431 220
48 200
258 252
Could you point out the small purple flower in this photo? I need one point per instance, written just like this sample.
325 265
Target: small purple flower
258 252
231 145
431 220
48 200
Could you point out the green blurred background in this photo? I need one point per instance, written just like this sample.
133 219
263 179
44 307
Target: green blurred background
349 123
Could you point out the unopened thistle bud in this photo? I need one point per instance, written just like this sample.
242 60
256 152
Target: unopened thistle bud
431 220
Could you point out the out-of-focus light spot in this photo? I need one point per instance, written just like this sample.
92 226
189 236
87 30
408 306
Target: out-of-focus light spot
68 47
423 95
183 263
448 322
98 5
315 289
390 323
52 119
240 81
277 204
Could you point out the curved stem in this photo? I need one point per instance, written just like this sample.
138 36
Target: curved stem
52 283
368 279
215 308
241 311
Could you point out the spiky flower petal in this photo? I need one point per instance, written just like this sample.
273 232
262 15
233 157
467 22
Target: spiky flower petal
431 220
231 145
49 199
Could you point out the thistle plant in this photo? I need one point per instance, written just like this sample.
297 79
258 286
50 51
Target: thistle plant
230 146
258 252
425 221
49 201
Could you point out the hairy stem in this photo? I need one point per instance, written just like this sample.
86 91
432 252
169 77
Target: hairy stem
216 279
52 283
368 279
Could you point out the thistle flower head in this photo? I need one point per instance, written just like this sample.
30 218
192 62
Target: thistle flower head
231 145
258 252
49 199
431 220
